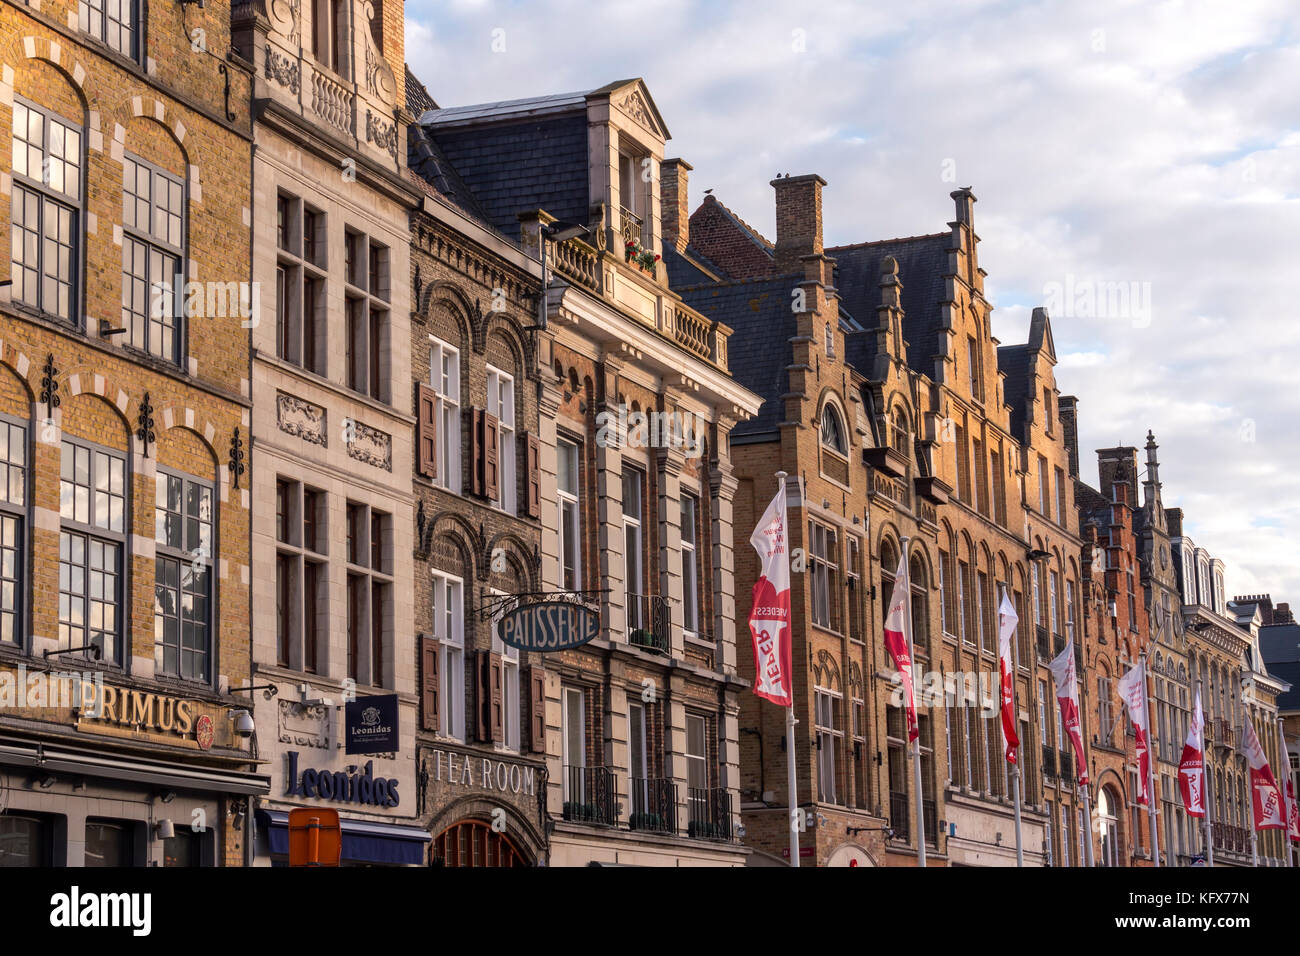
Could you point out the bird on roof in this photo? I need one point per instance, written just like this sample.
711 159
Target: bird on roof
708 191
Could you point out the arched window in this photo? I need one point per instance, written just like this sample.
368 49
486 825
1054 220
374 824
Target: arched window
833 431
898 431
474 843
1109 826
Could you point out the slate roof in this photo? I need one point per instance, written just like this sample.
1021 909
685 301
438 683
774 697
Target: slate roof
418 99
758 352
689 268
1014 360
509 168
922 263
1279 644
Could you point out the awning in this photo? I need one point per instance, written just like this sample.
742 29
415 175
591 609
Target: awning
57 757
364 841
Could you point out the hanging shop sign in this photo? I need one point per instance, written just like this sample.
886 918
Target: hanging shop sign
371 725
548 626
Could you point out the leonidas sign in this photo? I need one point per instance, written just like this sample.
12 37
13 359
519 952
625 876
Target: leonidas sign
548 626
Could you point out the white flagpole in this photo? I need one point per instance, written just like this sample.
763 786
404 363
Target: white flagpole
1284 766
906 584
1151 768
1015 767
792 777
1083 789
1207 785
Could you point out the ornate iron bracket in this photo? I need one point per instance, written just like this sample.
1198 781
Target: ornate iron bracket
490 605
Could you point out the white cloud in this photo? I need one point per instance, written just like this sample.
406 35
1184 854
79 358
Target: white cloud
1110 142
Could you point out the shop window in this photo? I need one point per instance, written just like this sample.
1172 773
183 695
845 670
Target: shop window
111 843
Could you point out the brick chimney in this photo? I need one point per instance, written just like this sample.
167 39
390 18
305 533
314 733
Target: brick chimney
674 207
798 220
1067 412
1111 462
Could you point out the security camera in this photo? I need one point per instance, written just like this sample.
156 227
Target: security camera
243 723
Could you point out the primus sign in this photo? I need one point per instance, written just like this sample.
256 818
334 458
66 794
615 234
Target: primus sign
548 626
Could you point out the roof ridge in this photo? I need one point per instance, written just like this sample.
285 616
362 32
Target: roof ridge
881 242
762 240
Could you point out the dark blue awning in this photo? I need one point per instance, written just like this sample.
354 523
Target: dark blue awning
364 841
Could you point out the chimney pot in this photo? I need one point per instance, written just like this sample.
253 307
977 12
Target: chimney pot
674 205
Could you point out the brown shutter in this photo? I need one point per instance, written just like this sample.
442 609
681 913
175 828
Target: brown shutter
429 648
482 696
426 425
533 457
491 457
536 683
498 720
473 425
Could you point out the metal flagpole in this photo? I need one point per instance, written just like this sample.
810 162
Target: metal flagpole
1206 784
1015 767
1284 763
1151 768
792 778
1083 788
1254 839
906 583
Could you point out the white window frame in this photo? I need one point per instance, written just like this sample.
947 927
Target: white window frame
569 526
444 377
697 762
449 630
690 566
567 733
828 739
501 403
511 715
637 611
636 747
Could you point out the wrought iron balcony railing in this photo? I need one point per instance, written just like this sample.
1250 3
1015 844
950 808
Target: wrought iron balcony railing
648 622
708 813
654 804
589 795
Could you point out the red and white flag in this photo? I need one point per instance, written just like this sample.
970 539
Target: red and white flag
1191 769
1007 620
1292 808
1266 797
769 615
1133 691
897 640
1067 696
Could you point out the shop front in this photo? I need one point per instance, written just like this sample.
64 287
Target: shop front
483 806
355 757
97 774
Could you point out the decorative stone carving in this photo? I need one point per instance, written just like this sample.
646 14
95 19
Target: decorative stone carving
371 446
298 417
634 105
379 75
382 133
303 726
285 17
282 69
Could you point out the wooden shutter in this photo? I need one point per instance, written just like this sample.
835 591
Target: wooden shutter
491 457
473 425
426 431
497 721
533 458
482 695
429 651
535 680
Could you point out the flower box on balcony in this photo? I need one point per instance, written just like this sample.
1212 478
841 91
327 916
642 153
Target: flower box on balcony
645 821
579 812
646 639
704 828
640 256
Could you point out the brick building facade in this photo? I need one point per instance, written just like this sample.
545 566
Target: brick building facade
124 408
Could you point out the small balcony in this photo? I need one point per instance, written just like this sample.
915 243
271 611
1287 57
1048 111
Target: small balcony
708 813
930 813
1067 766
1044 642
654 804
648 622
1049 762
1225 736
589 795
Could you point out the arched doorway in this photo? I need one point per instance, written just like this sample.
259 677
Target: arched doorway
474 843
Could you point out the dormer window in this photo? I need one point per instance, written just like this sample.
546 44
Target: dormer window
330 33
634 181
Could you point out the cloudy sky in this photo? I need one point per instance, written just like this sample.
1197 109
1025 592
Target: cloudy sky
1146 152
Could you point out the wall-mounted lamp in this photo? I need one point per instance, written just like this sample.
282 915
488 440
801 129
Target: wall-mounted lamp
164 829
